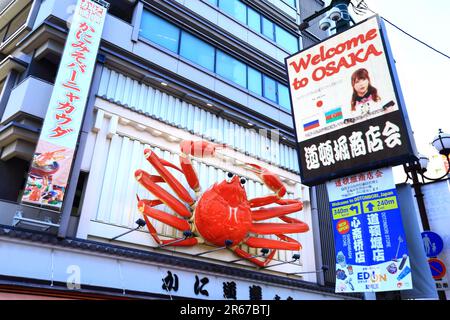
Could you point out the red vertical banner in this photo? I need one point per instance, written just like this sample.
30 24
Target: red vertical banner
50 168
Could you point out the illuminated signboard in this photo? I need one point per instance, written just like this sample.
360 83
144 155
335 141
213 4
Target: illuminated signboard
50 168
370 242
348 110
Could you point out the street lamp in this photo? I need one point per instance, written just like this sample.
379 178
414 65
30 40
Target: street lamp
442 144
413 169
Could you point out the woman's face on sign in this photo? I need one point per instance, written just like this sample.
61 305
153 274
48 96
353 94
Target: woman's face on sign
361 86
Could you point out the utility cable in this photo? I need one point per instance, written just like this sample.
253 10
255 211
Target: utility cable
362 7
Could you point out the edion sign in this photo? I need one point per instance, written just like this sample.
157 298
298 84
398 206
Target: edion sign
348 110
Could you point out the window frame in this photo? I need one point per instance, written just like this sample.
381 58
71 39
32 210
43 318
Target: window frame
197 38
177 51
7 27
276 101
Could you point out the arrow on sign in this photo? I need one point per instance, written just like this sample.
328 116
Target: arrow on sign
370 206
354 208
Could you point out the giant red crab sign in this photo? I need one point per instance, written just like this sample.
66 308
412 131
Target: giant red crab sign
222 215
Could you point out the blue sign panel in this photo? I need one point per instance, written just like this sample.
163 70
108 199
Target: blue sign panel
371 250
432 244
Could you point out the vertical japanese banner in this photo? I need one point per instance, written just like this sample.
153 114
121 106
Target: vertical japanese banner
371 249
50 168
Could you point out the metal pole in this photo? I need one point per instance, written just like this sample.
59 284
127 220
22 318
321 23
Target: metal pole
75 173
420 202
423 213
316 230
344 23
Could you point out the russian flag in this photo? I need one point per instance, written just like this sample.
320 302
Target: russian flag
333 115
311 125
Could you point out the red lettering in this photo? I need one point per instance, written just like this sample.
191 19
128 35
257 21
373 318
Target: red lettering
59 132
298 84
319 74
371 34
316 59
322 56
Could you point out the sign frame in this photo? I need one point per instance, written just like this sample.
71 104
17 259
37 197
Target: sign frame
411 150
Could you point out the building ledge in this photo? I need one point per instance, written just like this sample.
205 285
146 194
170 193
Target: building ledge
18 140
9 64
166 260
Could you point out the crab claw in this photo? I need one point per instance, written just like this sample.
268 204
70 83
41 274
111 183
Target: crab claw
269 178
200 149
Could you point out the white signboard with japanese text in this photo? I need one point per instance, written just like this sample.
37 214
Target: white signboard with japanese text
370 242
50 168
346 106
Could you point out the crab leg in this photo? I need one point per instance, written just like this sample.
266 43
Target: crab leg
176 242
145 206
199 149
292 226
164 217
167 176
148 181
243 254
272 212
286 243
271 180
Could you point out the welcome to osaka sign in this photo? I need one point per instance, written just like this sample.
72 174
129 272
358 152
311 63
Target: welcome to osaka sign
347 105
371 249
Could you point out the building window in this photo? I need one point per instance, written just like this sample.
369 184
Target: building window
231 68
258 23
234 8
159 31
283 96
292 3
162 32
270 88
286 40
122 10
267 28
197 51
254 81
254 20
15 24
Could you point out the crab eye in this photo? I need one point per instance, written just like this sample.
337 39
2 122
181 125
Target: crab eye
243 181
229 177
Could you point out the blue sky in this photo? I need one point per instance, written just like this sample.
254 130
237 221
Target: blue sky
424 75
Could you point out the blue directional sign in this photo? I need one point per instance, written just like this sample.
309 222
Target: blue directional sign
432 243
371 249
370 206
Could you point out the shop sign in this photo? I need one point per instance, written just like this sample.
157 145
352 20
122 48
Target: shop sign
371 250
347 105
52 161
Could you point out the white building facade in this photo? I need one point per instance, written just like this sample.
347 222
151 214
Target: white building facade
166 71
